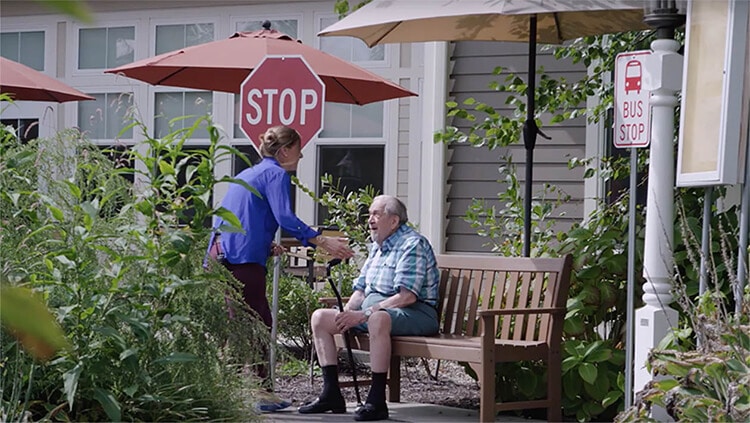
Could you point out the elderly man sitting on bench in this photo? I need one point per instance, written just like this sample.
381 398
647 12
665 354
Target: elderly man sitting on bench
395 294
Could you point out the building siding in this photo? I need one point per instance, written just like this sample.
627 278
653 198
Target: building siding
472 172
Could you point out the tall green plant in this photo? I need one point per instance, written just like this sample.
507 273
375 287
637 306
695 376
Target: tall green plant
120 267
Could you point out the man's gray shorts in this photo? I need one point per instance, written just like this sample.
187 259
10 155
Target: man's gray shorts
417 319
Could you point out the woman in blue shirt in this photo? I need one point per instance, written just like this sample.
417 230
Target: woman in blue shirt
245 254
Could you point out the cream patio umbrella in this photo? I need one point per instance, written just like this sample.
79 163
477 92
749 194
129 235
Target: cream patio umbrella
531 21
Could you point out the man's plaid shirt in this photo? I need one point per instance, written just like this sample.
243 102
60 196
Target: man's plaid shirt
405 260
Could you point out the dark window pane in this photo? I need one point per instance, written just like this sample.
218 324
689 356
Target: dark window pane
120 156
26 129
238 164
352 167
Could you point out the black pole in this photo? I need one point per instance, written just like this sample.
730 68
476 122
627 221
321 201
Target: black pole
529 137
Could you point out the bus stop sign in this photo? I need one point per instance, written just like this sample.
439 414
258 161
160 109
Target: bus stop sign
632 126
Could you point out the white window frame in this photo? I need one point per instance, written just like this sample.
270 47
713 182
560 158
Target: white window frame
154 22
50 55
388 49
45 112
72 115
162 90
299 17
74 37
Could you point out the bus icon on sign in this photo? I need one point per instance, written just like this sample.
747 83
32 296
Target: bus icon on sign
633 76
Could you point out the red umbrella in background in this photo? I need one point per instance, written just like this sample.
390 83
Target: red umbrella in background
222 66
25 83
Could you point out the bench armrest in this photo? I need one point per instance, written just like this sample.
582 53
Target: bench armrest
512 311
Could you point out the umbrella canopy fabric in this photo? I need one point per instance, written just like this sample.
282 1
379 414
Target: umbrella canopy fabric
223 65
25 83
387 21
531 21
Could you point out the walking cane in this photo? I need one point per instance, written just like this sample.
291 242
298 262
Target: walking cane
353 365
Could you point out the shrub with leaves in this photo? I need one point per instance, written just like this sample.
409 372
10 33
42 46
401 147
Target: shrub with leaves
120 267
704 364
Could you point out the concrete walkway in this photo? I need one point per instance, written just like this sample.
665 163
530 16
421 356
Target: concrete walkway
399 412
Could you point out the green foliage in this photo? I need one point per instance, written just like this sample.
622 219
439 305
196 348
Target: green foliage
593 381
297 301
342 7
595 321
347 211
77 9
119 266
502 224
711 383
705 361
26 317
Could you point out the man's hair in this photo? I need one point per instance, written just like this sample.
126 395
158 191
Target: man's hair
394 206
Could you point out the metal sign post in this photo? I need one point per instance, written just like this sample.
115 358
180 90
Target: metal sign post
275 312
632 130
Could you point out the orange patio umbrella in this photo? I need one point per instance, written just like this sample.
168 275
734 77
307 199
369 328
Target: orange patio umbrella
222 66
25 83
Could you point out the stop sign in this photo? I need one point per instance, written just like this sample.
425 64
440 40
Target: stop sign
282 90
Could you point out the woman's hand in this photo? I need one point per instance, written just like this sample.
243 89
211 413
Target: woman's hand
277 250
336 246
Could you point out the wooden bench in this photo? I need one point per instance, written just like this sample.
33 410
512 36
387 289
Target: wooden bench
493 309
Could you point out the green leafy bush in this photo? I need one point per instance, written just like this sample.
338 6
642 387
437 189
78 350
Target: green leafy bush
119 266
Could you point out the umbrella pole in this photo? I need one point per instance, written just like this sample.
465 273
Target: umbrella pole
529 137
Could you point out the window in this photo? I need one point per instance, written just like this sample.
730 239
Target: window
175 37
24 47
26 129
287 26
121 156
106 116
171 105
104 48
349 48
238 165
352 168
352 121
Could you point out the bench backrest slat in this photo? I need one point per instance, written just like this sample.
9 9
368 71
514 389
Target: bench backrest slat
523 302
535 320
473 283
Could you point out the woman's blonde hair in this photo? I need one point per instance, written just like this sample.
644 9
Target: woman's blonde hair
276 137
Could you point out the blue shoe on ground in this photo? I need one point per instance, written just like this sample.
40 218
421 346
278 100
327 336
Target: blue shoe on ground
271 405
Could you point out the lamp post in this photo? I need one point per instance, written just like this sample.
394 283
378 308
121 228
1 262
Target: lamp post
663 72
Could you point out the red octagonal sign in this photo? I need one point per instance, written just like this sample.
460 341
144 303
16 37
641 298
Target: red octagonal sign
282 90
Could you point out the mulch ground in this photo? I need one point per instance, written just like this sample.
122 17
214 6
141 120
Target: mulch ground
451 387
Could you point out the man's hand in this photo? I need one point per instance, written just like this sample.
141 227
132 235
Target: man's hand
348 319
